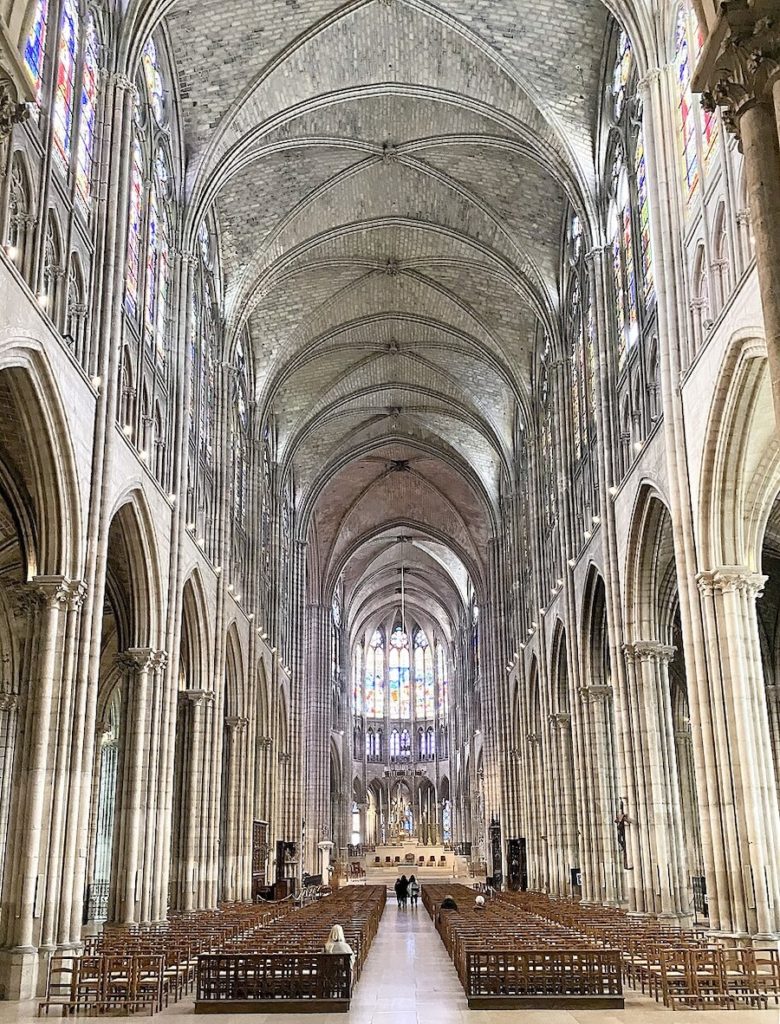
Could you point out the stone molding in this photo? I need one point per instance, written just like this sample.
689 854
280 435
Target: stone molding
236 723
595 694
561 719
196 697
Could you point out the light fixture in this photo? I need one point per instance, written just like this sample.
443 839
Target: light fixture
560 582
190 526
534 625
238 598
172 498
43 299
613 492
273 650
218 570
251 617
230 588
595 520
201 541
11 251
522 647
638 446
96 382
572 563
127 430
143 455
587 534
263 636
516 656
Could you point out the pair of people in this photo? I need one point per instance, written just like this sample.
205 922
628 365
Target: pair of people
407 889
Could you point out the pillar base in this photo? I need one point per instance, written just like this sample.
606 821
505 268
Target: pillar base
19 970
765 940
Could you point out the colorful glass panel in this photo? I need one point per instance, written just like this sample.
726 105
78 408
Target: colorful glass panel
374 689
35 47
163 282
357 680
62 115
648 280
89 89
687 127
631 292
152 263
134 232
441 667
620 299
621 73
154 86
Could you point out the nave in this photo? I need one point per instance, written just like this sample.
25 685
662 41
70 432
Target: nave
389 458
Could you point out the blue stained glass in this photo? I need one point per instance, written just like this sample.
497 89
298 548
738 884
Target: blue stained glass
35 47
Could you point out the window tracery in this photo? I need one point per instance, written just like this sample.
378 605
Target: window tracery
424 689
88 112
374 686
398 674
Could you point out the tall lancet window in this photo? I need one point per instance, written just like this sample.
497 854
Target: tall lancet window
35 47
424 686
444 686
374 687
64 93
88 114
398 674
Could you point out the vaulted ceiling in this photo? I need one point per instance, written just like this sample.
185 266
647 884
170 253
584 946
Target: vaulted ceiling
391 179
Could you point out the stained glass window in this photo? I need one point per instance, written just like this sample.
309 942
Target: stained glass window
424 685
648 280
357 681
163 281
623 268
575 333
89 88
62 115
154 86
152 262
444 696
687 126
621 73
399 686
374 690
134 231
35 47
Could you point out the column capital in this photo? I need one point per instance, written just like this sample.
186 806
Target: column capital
118 80
236 723
264 742
54 591
730 579
649 650
740 61
196 697
595 694
9 701
561 719
11 111
284 757
137 659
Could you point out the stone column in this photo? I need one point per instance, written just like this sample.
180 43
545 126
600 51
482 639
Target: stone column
602 888
137 665
747 886
192 804
48 598
566 842
234 830
739 71
664 884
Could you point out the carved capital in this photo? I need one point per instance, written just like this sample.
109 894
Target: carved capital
54 591
196 697
561 720
11 111
136 660
264 742
595 694
119 81
236 723
731 579
285 757
9 701
740 62
649 650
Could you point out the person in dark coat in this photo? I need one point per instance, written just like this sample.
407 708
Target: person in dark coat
403 890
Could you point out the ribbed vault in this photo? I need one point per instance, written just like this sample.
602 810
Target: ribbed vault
391 179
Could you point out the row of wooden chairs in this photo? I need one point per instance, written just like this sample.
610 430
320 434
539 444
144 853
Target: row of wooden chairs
286 960
680 967
133 968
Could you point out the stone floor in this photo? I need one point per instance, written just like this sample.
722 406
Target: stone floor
409 979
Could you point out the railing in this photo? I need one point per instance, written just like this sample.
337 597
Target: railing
578 973
257 978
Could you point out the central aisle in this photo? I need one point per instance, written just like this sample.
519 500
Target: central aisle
408 977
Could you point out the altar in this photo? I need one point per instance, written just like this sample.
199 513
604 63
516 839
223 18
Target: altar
411 856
